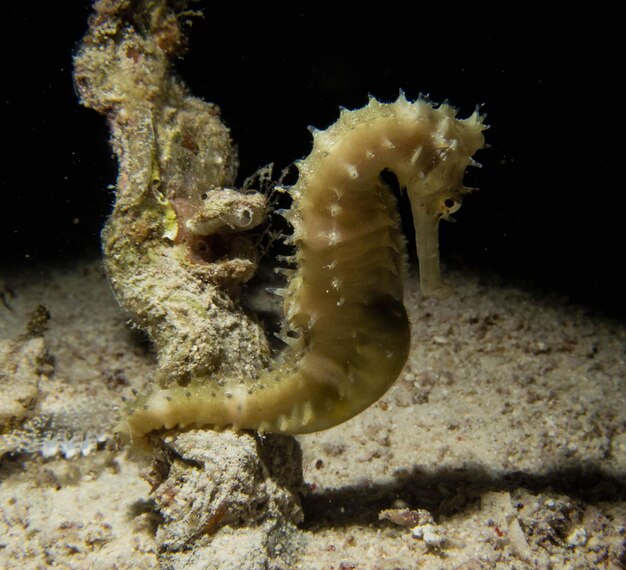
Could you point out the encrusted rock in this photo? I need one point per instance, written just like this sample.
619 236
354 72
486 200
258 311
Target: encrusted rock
22 363
227 500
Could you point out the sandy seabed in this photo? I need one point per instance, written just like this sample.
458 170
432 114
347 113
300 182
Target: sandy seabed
502 445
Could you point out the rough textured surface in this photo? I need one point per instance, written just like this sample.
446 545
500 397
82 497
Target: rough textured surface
510 409
172 150
246 485
22 363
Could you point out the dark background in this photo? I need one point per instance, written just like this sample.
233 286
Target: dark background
548 212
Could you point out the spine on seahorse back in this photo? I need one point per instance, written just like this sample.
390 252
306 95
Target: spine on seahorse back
345 320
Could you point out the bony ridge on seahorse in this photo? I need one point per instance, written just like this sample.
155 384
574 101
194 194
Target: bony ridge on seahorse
345 320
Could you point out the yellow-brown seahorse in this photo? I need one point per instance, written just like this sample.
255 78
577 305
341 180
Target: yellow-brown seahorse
345 320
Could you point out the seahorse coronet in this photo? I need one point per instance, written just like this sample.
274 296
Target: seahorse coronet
343 305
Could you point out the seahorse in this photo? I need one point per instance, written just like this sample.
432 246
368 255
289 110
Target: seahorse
345 322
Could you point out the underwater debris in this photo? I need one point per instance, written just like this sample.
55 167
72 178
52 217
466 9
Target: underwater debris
38 322
420 522
434 536
406 517
216 483
78 430
23 362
